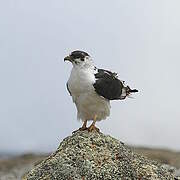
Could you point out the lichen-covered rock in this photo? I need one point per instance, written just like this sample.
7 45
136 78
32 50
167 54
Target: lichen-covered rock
91 155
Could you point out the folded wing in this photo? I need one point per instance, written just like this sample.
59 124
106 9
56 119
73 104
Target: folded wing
108 85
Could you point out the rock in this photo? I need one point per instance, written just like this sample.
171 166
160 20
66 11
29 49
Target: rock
92 155
177 173
163 156
172 169
13 167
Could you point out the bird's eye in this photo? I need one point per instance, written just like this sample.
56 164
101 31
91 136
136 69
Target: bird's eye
82 59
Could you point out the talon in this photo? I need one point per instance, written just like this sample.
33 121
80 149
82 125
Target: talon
93 128
80 129
75 131
83 128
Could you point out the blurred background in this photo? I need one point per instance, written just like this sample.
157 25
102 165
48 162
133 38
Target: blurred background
140 40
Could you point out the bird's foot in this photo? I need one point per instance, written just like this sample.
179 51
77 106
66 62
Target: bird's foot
80 129
93 128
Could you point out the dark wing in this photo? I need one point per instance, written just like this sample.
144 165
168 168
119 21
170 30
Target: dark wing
108 85
68 89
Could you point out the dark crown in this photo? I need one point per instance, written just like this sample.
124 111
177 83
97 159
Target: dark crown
78 54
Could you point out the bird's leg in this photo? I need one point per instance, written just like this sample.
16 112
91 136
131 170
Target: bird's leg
82 128
92 127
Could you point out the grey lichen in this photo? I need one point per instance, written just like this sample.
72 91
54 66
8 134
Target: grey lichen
92 155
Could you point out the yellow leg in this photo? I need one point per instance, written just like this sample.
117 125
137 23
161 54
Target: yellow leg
92 127
82 128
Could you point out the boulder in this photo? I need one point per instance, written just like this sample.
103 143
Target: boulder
92 155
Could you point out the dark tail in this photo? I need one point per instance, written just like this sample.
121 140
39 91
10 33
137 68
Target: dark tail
129 90
133 90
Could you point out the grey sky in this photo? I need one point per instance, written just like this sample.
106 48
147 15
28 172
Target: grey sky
138 39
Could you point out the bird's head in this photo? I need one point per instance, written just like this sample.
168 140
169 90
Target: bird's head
79 58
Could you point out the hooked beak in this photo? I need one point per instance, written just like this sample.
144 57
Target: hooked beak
68 58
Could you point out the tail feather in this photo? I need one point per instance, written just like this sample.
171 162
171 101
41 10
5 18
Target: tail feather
126 92
129 90
133 90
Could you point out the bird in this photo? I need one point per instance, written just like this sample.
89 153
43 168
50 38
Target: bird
92 89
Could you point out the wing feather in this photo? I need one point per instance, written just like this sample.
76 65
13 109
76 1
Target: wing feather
68 89
108 85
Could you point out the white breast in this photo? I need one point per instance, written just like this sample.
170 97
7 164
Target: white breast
81 81
87 101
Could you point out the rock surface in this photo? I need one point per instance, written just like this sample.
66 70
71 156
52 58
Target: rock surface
13 168
93 155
